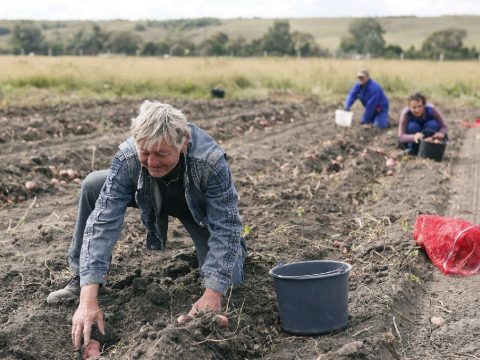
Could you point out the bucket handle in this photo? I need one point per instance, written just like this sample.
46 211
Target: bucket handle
336 271
331 272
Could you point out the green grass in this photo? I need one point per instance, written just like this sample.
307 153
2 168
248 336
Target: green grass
29 79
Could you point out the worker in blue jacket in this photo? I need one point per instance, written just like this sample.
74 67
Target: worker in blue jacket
373 99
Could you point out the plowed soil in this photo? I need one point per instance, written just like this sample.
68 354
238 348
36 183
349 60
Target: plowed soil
308 190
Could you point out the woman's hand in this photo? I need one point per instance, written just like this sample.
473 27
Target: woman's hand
87 314
211 301
439 136
417 137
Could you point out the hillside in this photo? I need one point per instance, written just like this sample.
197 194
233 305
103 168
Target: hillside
403 31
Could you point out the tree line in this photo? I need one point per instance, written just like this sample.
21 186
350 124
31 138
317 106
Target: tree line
365 37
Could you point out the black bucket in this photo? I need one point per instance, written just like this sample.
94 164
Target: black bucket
431 150
312 296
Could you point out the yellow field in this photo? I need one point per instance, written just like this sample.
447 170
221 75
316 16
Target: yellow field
33 79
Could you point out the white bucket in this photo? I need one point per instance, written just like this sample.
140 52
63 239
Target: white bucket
343 118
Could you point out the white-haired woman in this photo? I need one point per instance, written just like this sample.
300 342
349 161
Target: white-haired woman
167 168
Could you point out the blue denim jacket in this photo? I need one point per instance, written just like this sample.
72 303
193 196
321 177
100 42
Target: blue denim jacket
211 198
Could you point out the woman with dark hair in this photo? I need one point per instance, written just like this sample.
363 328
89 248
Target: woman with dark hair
420 120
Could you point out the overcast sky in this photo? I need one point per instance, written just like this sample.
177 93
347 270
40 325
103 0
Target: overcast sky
176 9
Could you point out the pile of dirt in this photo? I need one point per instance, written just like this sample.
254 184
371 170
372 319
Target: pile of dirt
308 190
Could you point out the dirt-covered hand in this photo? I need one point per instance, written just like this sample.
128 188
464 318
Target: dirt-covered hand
211 301
87 314
439 135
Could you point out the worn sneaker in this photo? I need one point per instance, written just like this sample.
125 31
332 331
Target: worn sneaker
70 292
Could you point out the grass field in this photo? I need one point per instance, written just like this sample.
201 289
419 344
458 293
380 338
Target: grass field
35 79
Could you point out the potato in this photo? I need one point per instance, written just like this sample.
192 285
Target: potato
72 174
93 348
221 321
184 319
54 181
390 162
31 185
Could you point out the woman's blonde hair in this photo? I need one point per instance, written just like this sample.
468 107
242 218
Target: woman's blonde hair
157 122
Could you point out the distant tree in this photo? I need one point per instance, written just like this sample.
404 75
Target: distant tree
88 41
56 46
151 48
448 42
139 27
4 31
254 48
237 47
182 47
28 37
124 42
278 40
412 53
215 45
305 45
366 37
392 51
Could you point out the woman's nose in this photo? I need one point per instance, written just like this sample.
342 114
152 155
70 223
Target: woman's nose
152 161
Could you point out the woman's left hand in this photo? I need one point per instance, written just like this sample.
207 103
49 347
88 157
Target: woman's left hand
439 135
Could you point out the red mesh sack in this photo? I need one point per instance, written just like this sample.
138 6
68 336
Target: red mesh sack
452 244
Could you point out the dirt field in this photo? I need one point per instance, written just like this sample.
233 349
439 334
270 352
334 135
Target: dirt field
308 190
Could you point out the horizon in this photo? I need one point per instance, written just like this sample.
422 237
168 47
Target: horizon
106 10
247 18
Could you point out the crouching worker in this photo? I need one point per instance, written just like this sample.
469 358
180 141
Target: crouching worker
167 168
372 97
418 121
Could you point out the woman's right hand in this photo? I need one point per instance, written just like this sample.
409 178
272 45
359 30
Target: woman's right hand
417 137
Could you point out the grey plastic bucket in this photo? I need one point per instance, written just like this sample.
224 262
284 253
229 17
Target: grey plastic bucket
312 296
431 150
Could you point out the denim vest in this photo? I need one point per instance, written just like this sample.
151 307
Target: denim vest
210 195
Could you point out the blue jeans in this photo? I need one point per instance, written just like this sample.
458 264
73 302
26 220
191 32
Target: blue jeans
89 193
429 128
380 119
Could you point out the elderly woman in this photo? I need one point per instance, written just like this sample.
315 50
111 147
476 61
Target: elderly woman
420 120
167 168
372 97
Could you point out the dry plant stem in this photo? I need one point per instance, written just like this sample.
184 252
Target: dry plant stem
94 148
228 300
49 271
239 316
362 331
48 218
20 222
396 330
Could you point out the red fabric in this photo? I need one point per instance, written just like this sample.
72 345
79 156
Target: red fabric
452 244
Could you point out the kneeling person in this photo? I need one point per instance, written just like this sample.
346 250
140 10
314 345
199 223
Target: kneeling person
167 168
420 120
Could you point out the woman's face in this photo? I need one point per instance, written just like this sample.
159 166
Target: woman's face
416 107
160 159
